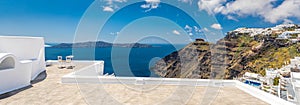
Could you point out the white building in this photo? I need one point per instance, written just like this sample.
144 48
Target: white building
22 59
287 34
295 76
295 63
281 26
252 31
271 73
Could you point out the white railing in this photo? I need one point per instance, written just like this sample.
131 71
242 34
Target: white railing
269 98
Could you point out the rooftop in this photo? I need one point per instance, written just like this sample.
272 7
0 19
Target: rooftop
48 89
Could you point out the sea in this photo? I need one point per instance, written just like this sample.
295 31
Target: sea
129 62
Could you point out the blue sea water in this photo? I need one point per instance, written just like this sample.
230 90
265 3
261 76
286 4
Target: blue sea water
139 60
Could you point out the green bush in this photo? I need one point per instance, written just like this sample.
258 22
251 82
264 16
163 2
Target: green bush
276 81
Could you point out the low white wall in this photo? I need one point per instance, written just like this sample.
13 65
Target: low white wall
266 97
26 48
71 78
82 77
22 47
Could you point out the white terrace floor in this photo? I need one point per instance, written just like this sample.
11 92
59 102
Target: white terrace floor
51 91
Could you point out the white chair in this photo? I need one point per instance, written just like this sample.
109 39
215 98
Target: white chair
69 62
60 62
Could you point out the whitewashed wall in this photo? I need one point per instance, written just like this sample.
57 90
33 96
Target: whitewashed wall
26 48
13 74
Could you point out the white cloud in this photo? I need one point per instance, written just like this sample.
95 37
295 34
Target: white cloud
121 1
265 9
176 32
188 28
288 9
151 1
150 4
197 30
238 7
111 5
231 18
108 9
247 7
211 6
145 6
192 29
186 1
110 2
216 26
114 33
205 29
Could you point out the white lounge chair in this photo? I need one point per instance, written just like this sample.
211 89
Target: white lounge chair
60 62
112 75
69 62
106 74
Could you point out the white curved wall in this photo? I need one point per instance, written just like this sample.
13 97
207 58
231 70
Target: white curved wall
26 48
13 78
22 47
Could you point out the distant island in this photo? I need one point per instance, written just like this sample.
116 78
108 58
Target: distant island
101 44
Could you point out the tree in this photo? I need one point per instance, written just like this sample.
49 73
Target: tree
262 72
276 81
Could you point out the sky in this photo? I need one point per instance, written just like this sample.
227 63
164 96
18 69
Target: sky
58 20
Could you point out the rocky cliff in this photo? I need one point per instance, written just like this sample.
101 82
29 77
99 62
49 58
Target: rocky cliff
230 57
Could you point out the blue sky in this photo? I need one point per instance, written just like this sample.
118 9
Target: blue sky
57 20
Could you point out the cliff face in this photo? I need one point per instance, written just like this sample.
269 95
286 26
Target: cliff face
188 62
230 57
